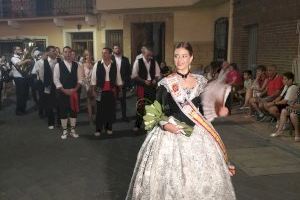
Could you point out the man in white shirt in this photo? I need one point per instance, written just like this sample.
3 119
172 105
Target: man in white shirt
34 84
145 73
103 81
22 82
122 79
43 69
67 79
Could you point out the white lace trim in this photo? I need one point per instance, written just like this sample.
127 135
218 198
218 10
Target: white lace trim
194 92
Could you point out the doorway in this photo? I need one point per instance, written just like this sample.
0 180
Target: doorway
150 34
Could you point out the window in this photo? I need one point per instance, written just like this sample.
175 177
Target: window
113 37
221 39
82 41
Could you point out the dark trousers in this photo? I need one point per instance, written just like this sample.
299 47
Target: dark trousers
22 89
64 106
105 115
41 100
149 96
50 105
33 89
122 98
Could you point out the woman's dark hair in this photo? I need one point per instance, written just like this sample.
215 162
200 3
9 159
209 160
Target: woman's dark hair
289 75
185 45
261 68
234 66
249 72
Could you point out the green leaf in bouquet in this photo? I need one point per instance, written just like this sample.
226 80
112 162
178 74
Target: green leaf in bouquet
153 115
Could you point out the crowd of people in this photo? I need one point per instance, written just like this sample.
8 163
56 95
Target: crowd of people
58 81
269 96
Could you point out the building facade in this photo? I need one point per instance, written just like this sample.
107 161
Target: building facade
130 23
266 32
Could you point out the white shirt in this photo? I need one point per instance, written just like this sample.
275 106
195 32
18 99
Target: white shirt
38 67
135 69
139 56
119 80
56 74
290 92
16 59
94 72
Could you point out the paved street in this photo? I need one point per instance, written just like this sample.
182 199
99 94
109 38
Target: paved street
35 164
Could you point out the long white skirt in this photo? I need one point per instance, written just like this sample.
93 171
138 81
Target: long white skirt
175 167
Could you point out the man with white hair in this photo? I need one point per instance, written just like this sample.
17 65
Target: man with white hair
44 70
145 73
34 84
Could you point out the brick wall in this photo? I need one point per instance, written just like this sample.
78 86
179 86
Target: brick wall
277 40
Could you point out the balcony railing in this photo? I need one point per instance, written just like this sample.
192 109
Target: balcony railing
12 9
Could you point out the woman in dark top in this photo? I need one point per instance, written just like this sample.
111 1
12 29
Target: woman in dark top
164 69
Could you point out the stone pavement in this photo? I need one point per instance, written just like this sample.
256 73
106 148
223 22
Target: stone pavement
35 164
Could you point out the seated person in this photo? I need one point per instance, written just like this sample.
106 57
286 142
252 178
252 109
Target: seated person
288 94
243 93
292 111
272 91
258 87
233 78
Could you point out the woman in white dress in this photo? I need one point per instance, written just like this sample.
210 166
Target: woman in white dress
173 164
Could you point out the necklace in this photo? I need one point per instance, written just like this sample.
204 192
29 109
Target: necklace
184 76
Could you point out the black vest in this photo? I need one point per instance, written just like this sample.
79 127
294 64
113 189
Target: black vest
124 69
68 79
143 73
48 75
101 73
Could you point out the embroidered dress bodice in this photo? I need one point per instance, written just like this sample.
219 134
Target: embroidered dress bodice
170 107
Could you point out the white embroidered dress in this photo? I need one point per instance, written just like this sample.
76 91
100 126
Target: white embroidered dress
175 167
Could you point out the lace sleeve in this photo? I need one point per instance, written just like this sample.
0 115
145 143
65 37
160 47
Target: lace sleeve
202 82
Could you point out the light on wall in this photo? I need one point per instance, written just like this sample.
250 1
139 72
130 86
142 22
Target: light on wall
13 24
59 22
